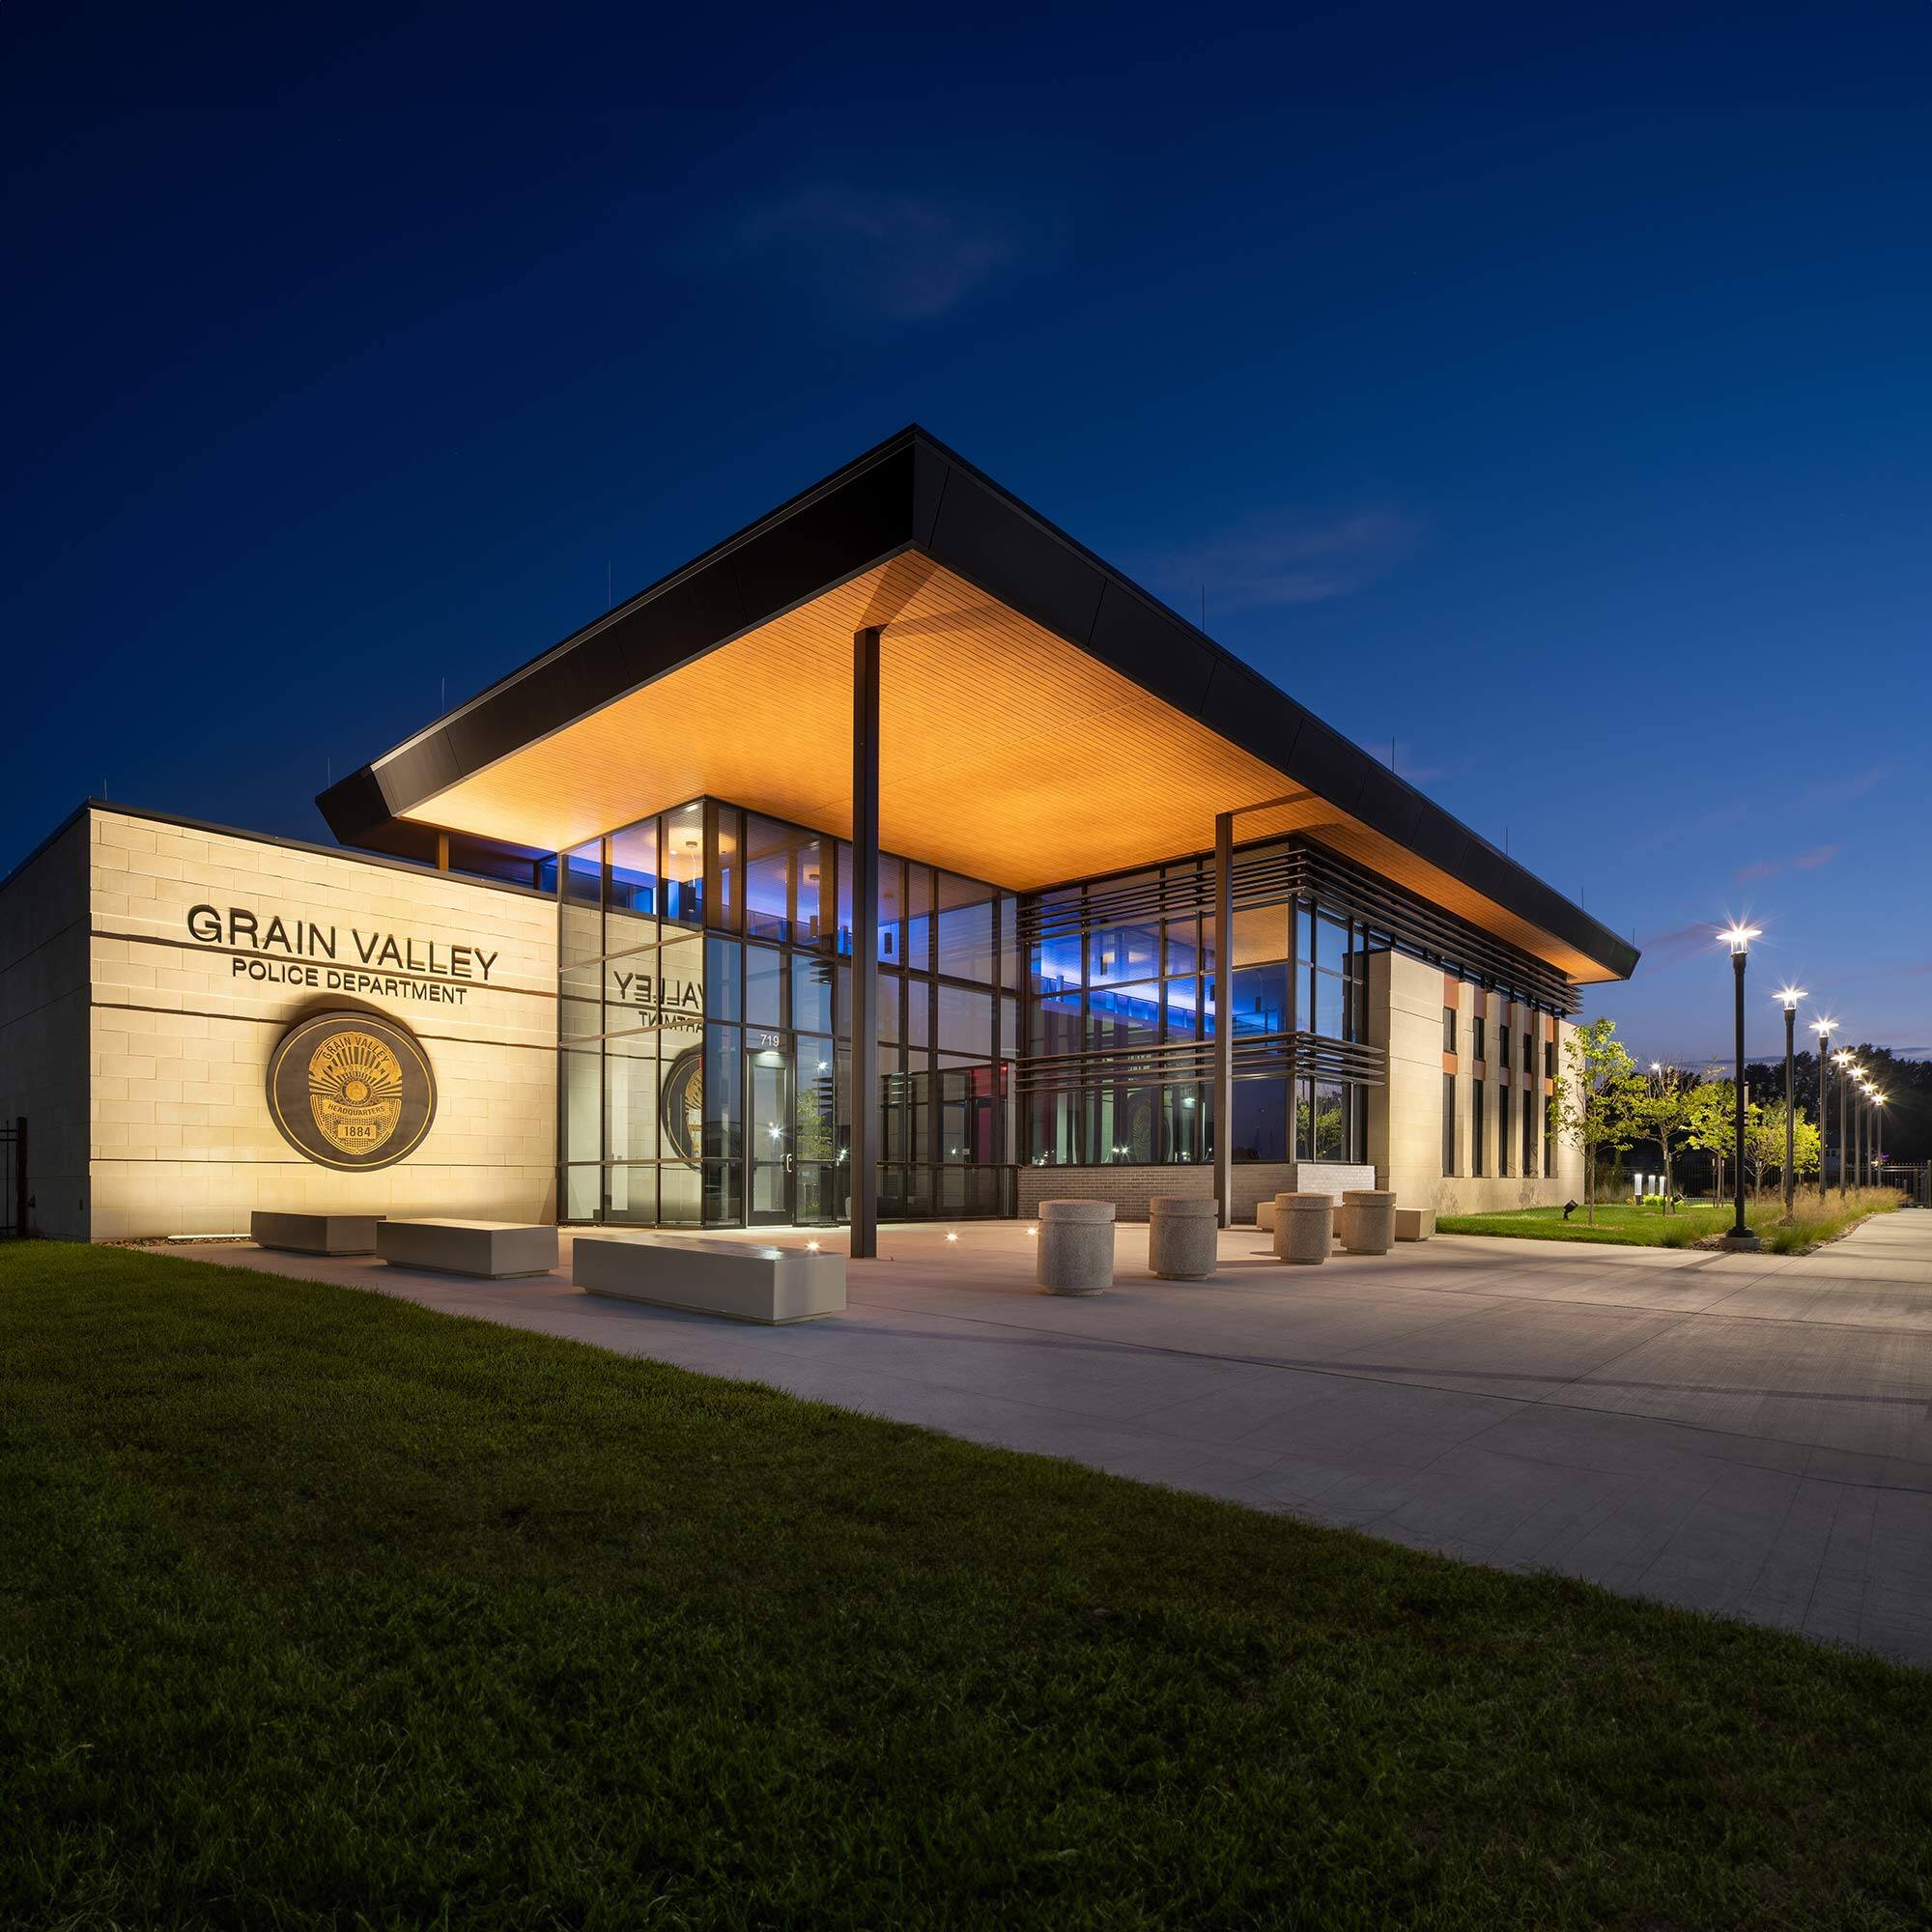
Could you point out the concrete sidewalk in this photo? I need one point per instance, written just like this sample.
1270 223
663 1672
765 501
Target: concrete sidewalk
1745 1433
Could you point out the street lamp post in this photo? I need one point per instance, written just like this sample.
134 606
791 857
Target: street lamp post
1843 1061
1823 1029
1740 938
1790 995
1878 1129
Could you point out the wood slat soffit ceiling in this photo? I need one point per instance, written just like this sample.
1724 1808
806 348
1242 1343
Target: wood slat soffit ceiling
1005 752
1041 719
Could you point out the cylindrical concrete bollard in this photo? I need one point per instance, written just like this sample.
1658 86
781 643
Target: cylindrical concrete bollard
1074 1253
1304 1224
1365 1223
1183 1231
1265 1215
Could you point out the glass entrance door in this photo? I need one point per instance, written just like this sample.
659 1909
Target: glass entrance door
771 1154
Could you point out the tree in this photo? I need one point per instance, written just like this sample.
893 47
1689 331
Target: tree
1591 1106
1764 1143
1660 1111
1710 1126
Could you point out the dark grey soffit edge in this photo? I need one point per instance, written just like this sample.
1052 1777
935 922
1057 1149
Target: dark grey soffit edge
374 856
912 493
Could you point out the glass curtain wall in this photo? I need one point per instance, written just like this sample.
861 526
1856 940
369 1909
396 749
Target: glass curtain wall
1111 990
705 1028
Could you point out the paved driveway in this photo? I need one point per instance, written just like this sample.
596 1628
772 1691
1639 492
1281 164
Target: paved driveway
1743 1434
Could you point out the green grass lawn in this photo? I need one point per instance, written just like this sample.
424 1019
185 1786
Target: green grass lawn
319 1609
1626 1225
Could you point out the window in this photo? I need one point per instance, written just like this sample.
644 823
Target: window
1260 1120
1528 1133
1476 1040
1550 1060
1502 1129
1476 1125
1448 1122
1503 1048
1448 1029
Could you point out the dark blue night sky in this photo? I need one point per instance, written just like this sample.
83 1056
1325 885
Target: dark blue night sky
1547 392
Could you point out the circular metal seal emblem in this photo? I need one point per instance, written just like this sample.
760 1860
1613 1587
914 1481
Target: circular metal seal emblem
681 1107
352 1091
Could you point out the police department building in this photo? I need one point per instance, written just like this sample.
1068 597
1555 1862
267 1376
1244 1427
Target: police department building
895 859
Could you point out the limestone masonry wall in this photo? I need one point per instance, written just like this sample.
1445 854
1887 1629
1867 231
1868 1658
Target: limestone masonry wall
204 947
43 1027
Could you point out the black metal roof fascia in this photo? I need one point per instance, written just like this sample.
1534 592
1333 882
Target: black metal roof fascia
911 492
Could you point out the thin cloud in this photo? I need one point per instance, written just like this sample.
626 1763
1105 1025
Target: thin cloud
1277 558
1413 763
1838 791
1665 949
1717 819
1807 861
907 257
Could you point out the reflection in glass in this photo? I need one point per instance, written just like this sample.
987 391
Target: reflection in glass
634 869
764 986
683 865
1260 1120
1260 999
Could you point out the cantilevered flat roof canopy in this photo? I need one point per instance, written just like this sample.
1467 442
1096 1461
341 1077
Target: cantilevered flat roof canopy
1040 718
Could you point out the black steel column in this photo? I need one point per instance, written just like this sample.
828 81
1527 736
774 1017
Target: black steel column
1790 1122
865 1099
1742 1231
1824 1114
1223 1018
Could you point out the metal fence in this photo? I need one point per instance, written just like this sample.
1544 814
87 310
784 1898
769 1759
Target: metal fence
1914 1182
14 1179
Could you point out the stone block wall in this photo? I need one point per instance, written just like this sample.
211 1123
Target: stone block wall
1130 1188
44 1028
187 1006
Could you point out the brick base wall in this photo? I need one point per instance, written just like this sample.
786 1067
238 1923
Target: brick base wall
1130 1188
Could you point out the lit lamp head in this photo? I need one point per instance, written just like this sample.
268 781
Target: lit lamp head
1824 1029
1789 996
1738 938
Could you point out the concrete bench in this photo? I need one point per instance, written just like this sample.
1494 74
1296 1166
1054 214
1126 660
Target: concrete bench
495 1250
315 1233
1415 1224
743 1281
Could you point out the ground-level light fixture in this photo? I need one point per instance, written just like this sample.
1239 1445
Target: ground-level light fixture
1738 937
